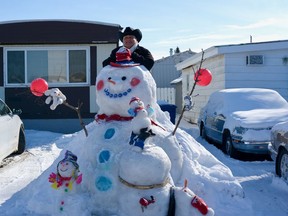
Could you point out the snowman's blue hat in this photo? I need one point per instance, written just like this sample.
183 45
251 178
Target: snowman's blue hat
69 156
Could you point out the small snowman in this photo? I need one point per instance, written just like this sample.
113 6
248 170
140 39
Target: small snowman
186 201
141 122
67 174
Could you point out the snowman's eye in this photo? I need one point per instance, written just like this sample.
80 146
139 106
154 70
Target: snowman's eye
109 78
124 78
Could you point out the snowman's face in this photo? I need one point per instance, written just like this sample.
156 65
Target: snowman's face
116 86
66 168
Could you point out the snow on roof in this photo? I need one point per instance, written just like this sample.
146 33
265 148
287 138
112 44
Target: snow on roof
175 81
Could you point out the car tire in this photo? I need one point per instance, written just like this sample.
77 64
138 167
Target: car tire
282 164
21 141
227 146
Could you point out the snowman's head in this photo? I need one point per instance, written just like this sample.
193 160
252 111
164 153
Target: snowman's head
66 169
115 86
68 166
135 102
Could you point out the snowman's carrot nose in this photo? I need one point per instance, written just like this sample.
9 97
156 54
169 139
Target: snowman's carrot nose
111 81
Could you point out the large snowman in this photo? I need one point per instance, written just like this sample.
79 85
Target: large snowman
138 161
131 164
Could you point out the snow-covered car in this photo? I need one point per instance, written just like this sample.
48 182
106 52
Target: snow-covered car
279 149
240 119
12 134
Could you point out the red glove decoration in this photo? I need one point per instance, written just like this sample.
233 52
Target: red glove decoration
52 177
199 203
79 179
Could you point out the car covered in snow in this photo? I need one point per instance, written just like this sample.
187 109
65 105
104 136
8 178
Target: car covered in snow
279 149
240 119
12 134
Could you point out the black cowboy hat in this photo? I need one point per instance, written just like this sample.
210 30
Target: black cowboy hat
130 31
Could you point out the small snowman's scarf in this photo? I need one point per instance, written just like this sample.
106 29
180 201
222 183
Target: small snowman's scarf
58 181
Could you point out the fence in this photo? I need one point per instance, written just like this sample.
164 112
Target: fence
166 94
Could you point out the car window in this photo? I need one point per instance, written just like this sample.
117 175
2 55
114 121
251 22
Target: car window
4 109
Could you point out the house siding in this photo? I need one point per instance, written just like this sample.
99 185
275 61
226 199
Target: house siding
164 70
202 93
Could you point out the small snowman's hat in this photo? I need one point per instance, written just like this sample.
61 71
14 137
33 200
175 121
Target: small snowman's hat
134 99
69 156
123 58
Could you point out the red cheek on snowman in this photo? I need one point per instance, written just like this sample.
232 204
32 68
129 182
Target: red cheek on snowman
100 85
134 82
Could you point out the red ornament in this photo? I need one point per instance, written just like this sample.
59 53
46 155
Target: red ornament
199 203
38 86
203 77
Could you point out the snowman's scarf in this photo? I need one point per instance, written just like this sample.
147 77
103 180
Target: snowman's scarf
57 181
116 117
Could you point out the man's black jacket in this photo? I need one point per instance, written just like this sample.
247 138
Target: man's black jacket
140 55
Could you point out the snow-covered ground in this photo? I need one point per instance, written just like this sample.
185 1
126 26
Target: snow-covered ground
266 193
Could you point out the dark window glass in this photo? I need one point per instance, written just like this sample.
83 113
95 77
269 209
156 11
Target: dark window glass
16 66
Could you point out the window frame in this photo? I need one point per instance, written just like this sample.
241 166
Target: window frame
47 48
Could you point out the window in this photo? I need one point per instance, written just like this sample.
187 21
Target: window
255 60
56 66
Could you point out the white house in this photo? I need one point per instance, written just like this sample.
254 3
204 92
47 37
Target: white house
259 65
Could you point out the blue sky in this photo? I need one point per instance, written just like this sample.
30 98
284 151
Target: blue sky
165 24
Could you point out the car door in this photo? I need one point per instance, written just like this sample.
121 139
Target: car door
218 125
8 131
214 126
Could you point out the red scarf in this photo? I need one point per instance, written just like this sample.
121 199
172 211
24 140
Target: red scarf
114 117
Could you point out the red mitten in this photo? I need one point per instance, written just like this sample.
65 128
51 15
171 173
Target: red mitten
52 177
79 179
199 203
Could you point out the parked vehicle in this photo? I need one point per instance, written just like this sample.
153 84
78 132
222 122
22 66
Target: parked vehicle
240 119
12 134
279 149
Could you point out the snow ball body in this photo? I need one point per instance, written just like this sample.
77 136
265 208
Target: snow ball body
139 168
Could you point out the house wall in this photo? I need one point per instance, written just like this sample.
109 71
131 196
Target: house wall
164 72
178 97
201 94
273 74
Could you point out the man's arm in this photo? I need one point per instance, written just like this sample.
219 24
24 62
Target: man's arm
143 57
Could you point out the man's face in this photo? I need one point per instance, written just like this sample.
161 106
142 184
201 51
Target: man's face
129 41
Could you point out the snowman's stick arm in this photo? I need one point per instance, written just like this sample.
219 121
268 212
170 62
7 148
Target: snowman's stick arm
77 109
192 90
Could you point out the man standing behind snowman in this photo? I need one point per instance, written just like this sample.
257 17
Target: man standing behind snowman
130 39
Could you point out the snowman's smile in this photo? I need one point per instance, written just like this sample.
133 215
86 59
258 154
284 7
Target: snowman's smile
63 170
117 95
